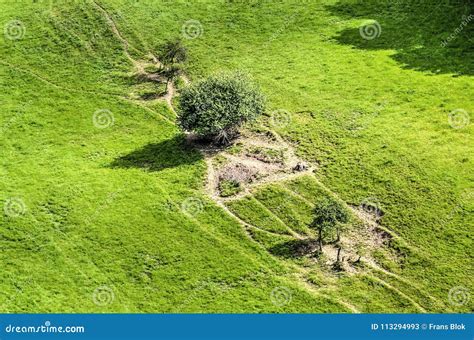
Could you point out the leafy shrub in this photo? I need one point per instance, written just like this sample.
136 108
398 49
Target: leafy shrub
217 106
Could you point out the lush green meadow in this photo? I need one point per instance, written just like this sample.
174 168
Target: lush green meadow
121 209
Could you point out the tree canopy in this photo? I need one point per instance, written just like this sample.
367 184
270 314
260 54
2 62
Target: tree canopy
218 105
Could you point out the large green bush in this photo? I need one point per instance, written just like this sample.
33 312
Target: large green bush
217 106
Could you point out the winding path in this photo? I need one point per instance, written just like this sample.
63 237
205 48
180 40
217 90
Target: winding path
276 178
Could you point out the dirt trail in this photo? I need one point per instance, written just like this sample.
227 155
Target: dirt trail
115 30
371 239
171 93
317 292
264 171
139 65
168 97
274 175
400 293
82 91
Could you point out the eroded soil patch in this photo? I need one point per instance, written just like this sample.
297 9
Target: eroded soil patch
251 161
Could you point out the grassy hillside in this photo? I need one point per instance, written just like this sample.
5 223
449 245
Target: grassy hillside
118 205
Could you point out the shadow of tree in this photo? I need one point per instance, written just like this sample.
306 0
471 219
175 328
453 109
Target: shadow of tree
146 86
428 35
295 248
169 153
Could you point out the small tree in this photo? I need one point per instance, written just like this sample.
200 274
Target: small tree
171 74
173 52
172 55
216 107
329 216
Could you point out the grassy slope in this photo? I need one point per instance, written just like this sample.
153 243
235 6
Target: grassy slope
103 205
68 175
373 114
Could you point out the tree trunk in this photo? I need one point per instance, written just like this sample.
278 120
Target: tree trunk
320 240
338 254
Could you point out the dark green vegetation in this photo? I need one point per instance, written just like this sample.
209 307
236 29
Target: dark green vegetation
104 206
330 217
217 106
172 55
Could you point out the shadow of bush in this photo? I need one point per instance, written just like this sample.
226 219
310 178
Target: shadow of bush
295 248
428 35
169 153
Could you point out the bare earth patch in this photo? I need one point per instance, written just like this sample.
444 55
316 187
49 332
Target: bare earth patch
255 160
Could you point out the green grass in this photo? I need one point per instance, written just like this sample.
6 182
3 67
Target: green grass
229 188
290 209
103 206
266 155
252 211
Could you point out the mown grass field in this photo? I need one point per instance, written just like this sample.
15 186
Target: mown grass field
103 207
